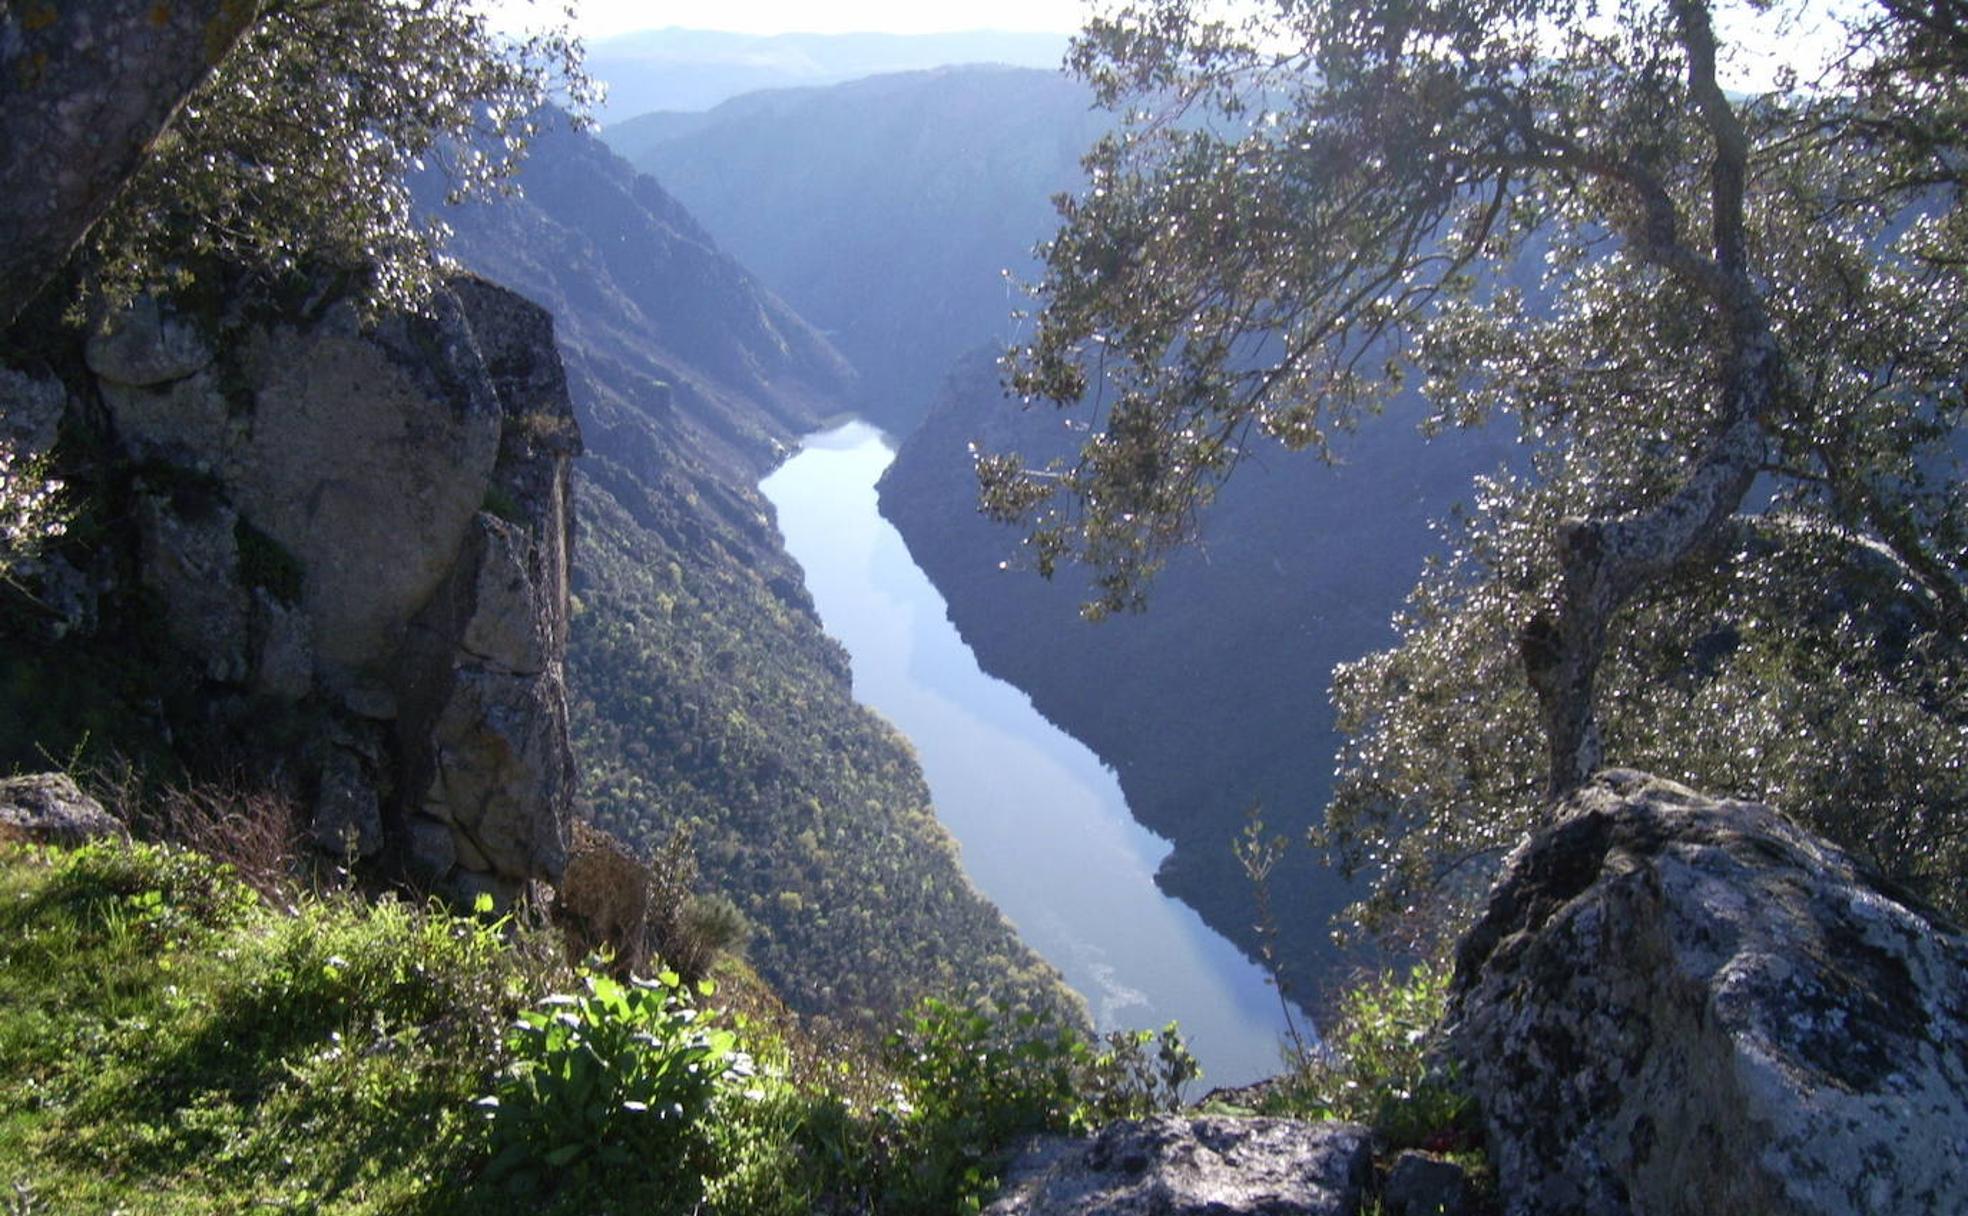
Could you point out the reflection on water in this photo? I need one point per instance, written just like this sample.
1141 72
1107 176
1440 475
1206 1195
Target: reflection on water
1045 832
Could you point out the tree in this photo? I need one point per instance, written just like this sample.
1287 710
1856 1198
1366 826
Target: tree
294 150
1728 322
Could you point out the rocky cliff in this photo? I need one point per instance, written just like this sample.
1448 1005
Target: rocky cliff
1673 1005
331 553
1680 1004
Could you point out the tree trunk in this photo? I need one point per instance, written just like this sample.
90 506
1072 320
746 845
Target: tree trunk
1602 562
85 86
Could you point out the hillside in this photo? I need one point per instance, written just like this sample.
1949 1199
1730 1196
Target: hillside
703 695
680 69
887 210
242 1047
1214 699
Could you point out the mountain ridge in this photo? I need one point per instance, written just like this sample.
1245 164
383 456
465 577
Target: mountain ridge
686 69
930 189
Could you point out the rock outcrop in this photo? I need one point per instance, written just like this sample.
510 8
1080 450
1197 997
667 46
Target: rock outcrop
1181 1165
365 528
1674 1004
1422 1184
48 808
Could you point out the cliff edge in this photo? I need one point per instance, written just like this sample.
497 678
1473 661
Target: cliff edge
332 554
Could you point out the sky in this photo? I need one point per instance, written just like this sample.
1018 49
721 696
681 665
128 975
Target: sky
1798 31
596 19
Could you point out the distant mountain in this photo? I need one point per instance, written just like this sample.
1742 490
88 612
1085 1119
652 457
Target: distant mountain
1215 698
704 696
887 210
643 296
679 69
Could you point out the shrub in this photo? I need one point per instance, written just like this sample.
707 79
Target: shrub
974 1083
256 831
1378 1065
688 930
31 511
614 1086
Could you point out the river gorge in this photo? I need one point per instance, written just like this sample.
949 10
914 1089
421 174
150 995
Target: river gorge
1044 829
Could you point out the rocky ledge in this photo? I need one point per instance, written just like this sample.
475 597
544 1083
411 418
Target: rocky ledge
1678 1004
1672 1005
361 526
1206 1165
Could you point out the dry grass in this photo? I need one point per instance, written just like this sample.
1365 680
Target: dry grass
258 831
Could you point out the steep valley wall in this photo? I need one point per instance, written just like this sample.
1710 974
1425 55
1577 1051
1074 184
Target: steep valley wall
705 698
1215 699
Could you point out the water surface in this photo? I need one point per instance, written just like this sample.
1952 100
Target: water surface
1045 831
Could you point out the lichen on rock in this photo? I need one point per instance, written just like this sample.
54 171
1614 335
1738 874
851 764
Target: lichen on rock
1194 1165
49 808
1677 1004
309 493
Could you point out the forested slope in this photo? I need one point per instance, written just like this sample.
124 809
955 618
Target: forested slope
703 694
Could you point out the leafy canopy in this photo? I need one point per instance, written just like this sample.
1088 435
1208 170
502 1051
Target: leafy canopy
1725 312
296 152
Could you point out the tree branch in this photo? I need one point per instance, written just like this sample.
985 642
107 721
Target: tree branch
1603 561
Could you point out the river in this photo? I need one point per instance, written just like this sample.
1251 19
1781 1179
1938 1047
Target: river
1045 831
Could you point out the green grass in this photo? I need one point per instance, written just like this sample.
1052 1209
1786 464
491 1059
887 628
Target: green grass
172 1042
176 1045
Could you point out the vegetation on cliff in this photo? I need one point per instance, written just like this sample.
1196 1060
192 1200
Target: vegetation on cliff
1739 558
705 699
707 704
712 705
176 1040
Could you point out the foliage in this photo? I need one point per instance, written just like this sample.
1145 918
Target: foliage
1378 1066
687 928
31 512
613 1087
225 1053
295 153
164 898
1677 292
973 1084
1790 673
165 1033
1258 856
